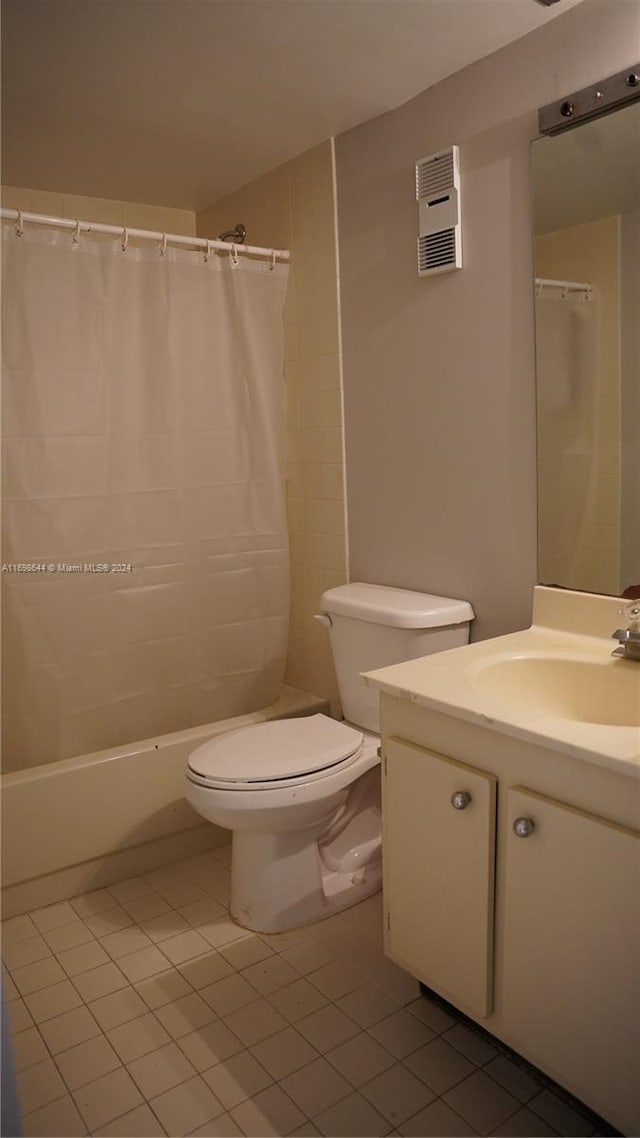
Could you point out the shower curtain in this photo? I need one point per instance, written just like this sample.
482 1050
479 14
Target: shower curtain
145 561
567 366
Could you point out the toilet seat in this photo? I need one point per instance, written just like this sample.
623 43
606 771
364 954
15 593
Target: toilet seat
290 750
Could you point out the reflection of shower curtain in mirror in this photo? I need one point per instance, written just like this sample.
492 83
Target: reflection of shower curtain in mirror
567 364
144 426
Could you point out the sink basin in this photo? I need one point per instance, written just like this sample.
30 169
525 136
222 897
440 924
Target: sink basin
603 691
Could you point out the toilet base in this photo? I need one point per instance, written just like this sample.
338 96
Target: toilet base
280 881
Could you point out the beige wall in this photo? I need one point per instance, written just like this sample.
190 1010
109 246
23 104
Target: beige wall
590 253
293 207
105 210
439 373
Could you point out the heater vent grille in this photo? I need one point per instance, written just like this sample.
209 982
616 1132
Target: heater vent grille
434 174
438 199
437 251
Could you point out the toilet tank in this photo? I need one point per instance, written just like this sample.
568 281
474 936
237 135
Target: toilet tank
371 626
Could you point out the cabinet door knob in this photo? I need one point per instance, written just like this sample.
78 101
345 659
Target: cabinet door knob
523 827
460 799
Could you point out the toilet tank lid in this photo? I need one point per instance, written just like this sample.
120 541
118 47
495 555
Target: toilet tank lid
399 608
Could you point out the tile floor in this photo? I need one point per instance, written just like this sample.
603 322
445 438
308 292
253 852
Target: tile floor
142 1009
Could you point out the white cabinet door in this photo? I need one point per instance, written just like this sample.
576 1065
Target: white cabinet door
570 975
439 873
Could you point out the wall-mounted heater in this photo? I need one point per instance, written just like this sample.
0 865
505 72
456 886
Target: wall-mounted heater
438 195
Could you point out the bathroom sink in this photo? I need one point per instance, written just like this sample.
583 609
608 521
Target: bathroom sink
605 691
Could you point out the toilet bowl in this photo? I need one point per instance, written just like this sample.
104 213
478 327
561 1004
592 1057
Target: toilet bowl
302 796
307 835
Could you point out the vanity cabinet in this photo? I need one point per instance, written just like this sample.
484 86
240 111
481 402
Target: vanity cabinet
519 908
439 853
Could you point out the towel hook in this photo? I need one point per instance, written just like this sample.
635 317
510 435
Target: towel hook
125 239
19 224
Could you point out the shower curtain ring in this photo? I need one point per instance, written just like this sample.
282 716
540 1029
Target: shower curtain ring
234 254
125 239
207 252
75 240
273 261
19 224
163 245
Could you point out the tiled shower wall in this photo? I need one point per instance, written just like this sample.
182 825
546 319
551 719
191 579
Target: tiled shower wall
293 207
105 210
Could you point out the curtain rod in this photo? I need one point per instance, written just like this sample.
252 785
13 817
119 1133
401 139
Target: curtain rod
126 232
570 286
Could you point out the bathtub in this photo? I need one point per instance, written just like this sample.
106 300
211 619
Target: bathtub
79 824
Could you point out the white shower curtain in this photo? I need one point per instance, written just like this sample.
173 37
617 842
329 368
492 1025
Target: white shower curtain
567 367
143 432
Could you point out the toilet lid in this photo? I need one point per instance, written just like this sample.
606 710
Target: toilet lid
282 749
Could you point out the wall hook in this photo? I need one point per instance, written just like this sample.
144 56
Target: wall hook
125 239
163 245
19 224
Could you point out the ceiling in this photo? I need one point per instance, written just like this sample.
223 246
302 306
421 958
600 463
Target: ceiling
177 102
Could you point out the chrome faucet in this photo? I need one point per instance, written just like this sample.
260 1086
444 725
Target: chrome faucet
629 637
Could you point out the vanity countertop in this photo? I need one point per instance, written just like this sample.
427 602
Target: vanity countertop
549 684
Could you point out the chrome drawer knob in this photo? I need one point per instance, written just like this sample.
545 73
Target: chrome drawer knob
460 799
523 827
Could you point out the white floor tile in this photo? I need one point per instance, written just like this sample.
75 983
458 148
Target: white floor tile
18 928
559 1114
270 974
241 954
160 1070
89 904
316 1087
23 952
283 1053
209 1045
237 1078
52 1001
82 958
436 1121
439 1065
431 1013
397 1094
29 1048
107 1098
360 1058
39 1085
140 1122
137 1037
53 916
183 1108
142 964
401 1033
353 1115
481 1102
297 1000
205 970
69 1029
367 1005
59 1117
524 1124
32 977
255 1022
87 1061
162 989
336 979
124 941
327 1028
99 982
117 1008
185 1015
513 1078
473 1046
270 1112
221 1127
229 994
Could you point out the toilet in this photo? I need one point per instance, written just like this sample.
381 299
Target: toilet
302 796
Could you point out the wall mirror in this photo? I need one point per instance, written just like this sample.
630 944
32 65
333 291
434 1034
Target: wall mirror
586 186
